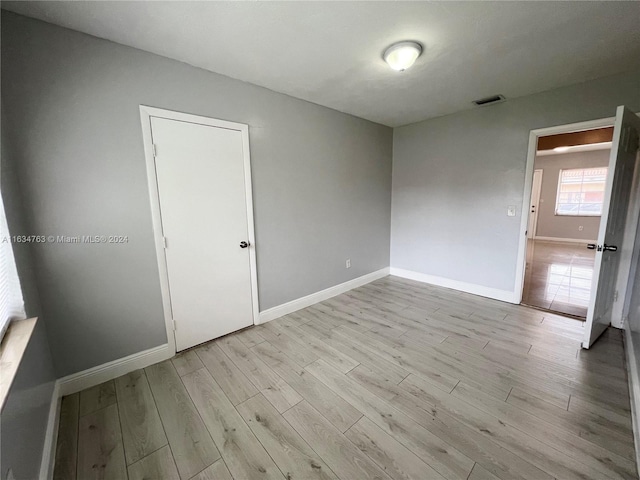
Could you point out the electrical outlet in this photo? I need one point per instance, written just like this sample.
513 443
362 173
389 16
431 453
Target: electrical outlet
580 228
511 211
348 263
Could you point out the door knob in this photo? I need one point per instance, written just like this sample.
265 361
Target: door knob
244 244
591 246
610 248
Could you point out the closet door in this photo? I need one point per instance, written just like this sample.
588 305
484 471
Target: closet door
200 173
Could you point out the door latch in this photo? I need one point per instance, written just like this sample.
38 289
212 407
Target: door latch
600 248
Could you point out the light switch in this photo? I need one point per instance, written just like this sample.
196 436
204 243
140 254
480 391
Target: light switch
511 211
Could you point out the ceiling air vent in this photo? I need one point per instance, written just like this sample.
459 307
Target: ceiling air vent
489 100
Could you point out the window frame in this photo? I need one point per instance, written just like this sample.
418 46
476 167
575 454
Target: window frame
558 191
12 306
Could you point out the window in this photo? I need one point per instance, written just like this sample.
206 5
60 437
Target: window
581 191
11 303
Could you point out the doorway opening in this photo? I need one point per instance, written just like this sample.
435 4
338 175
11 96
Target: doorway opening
567 195
620 212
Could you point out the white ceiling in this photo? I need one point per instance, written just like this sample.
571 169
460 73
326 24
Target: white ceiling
330 53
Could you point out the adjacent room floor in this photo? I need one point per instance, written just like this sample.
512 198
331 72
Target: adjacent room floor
395 379
558 277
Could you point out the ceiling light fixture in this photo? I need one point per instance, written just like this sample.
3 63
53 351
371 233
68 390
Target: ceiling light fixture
582 146
402 55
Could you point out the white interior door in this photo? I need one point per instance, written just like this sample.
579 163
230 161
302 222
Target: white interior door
534 208
200 175
612 225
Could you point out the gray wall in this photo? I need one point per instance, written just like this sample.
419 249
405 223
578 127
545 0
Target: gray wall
23 422
562 226
454 176
321 181
633 315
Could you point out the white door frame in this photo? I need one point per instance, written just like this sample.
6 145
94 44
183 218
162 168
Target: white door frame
531 232
528 182
146 113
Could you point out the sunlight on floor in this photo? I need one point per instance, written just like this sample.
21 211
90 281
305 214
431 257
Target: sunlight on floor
558 277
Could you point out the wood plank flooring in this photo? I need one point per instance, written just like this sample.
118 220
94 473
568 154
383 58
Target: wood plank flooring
392 380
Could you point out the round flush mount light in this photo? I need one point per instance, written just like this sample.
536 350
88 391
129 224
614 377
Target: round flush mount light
402 55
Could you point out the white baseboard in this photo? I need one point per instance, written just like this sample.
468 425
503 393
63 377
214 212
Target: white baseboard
634 388
108 371
564 240
51 435
495 293
304 302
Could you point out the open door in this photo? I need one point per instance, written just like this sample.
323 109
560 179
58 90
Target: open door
624 150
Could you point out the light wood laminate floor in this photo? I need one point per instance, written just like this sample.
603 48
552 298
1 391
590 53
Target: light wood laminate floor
395 379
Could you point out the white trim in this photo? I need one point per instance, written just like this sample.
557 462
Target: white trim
304 302
190 118
145 119
146 113
51 435
634 389
528 179
495 293
108 371
563 240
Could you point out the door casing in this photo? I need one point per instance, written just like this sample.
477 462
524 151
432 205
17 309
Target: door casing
528 183
146 113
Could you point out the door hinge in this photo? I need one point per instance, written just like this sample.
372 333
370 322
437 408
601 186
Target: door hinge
615 296
155 150
164 242
174 326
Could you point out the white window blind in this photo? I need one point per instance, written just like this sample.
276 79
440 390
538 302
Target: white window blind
581 191
11 303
